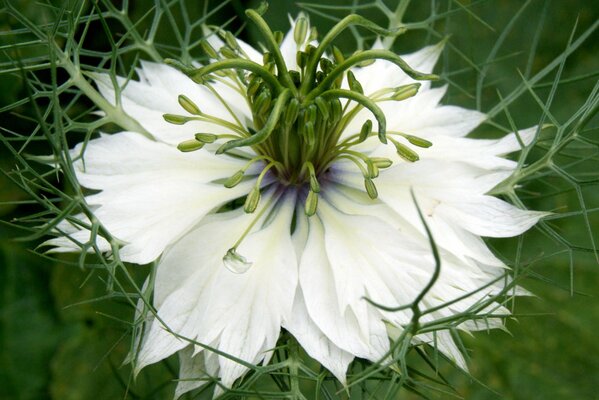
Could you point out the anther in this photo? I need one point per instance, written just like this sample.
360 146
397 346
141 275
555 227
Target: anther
311 203
300 31
190 145
252 200
234 179
370 188
189 105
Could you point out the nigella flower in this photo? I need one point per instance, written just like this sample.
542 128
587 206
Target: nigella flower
282 190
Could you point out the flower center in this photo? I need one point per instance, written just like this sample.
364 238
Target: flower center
300 117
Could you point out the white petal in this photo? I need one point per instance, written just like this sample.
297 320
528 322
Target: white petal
195 371
151 193
240 313
149 99
489 216
316 344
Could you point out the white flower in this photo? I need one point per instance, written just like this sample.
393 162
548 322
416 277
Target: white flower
329 219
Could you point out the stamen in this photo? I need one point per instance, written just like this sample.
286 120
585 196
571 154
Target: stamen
263 134
366 102
405 152
311 203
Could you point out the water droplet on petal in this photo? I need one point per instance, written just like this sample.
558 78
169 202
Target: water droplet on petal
236 263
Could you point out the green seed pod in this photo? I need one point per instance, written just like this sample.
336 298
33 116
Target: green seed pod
252 200
365 131
188 105
206 137
418 141
292 111
234 179
406 153
175 119
311 203
323 107
300 31
370 188
190 145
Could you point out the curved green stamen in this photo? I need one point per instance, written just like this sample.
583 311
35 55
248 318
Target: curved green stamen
263 133
352 19
367 55
197 74
366 102
273 47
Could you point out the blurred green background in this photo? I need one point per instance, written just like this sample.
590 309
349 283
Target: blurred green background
52 347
